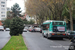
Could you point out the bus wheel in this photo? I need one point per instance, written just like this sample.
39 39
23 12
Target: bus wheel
43 35
48 37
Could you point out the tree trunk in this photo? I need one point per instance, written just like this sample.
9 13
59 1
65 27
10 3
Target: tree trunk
50 18
71 13
61 18
71 20
46 17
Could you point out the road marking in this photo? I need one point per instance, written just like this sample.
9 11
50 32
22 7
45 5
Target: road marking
65 47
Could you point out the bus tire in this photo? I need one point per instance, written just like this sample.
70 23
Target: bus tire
43 35
48 37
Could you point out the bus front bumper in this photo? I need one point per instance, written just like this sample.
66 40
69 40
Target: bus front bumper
63 36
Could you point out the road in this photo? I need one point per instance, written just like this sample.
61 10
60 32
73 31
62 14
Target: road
4 38
35 41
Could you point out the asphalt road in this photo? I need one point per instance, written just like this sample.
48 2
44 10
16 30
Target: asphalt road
4 38
35 41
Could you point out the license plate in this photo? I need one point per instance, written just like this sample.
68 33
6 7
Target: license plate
58 34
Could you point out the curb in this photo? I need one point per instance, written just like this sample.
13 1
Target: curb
25 42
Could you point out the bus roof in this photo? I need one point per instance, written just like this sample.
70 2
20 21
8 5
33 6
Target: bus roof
48 21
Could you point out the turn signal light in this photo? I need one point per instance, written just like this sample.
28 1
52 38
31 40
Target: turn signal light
53 34
63 34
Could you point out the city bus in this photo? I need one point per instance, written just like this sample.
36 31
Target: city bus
53 28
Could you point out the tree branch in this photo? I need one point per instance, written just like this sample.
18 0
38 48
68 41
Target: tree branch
67 9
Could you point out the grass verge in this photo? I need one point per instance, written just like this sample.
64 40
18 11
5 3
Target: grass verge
15 43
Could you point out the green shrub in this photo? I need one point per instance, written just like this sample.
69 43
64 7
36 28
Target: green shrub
6 23
16 26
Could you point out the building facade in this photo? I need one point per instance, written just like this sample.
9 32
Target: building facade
3 9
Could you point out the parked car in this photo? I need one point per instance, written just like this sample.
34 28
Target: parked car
37 29
31 29
41 31
7 29
71 34
24 30
1 28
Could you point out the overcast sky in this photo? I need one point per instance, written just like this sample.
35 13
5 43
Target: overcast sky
12 2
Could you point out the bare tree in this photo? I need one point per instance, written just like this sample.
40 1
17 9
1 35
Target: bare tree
45 9
70 4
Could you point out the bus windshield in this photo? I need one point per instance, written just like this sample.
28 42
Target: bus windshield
45 27
58 23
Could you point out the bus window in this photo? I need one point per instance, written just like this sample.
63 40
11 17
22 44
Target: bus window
58 23
45 27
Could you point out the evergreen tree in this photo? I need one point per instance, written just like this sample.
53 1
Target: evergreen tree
16 10
16 26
